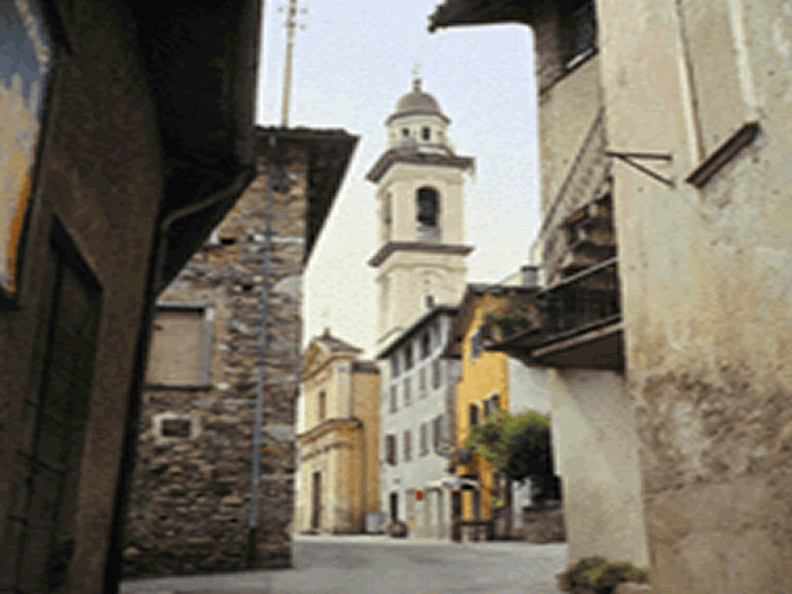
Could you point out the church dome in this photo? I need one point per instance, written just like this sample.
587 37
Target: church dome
417 102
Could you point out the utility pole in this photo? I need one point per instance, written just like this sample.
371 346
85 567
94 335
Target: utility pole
291 24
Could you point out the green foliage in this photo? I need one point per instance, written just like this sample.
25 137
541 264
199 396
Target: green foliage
595 575
518 446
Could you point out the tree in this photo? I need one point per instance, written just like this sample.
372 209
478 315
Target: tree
518 447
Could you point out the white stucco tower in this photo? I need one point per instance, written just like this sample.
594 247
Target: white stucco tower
420 213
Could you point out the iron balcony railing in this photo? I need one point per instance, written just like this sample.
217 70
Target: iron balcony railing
582 302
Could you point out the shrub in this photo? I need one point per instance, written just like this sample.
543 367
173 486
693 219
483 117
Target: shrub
595 575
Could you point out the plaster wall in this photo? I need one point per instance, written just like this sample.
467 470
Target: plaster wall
407 272
706 293
366 388
403 181
595 440
106 196
407 476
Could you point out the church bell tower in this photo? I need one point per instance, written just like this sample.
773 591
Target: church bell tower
420 212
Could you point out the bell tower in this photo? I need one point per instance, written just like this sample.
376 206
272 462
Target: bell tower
420 215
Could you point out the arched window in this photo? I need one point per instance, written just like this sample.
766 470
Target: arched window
426 133
428 206
405 132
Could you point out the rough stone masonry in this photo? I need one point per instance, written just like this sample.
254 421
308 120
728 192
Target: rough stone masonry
192 482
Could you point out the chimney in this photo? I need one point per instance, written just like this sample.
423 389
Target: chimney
530 276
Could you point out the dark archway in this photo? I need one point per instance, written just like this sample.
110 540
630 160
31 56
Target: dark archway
428 206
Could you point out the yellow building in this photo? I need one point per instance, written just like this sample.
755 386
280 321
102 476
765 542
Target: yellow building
489 381
338 428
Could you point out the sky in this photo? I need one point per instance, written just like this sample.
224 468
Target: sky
352 63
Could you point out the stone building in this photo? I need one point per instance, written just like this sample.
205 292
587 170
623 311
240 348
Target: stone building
191 496
126 135
572 329
697 114
337 438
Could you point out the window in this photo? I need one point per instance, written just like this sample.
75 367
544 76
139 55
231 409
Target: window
436 375
422 383
405 132
408 359
179 353
425 345
426 133
476 343
407 446
437 436
394 395
474 415
394 366
424 439
176 428
429 300
428 206
322 405
390 449
487 408
407 395
169 425
495 402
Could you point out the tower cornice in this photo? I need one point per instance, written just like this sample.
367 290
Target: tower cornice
417 246
397 155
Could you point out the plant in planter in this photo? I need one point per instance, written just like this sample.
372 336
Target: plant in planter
596 575
519 317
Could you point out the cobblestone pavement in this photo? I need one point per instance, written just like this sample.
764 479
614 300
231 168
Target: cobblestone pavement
377 564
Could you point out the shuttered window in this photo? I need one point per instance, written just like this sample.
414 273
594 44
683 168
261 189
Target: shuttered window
390 449
178 355
474 415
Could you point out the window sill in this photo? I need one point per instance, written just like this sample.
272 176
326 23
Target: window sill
723 154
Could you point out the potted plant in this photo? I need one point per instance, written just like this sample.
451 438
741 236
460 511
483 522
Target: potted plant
595 575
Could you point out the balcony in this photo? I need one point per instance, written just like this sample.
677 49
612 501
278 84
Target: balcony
575 323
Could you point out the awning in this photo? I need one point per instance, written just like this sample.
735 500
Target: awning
454 482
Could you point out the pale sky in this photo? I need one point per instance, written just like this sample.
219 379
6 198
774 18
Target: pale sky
351 64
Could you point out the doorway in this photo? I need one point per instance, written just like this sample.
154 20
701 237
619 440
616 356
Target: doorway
316 504
394 507
41 523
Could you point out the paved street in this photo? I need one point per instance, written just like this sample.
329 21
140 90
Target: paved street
377 564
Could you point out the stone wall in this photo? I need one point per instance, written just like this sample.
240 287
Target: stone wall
190 498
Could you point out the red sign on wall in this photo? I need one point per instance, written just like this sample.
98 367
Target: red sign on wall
419 494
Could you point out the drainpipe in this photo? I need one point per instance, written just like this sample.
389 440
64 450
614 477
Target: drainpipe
255 485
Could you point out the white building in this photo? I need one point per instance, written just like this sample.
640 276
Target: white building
421 276
417 412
